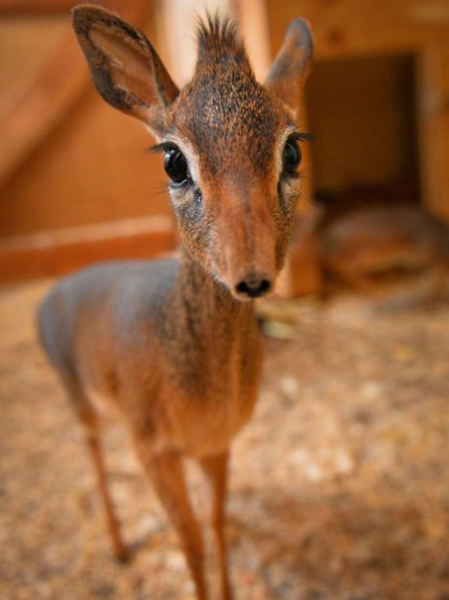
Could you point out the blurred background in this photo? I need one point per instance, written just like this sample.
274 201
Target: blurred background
340 487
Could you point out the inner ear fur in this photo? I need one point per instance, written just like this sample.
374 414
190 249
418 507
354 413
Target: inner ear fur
125 68
291 67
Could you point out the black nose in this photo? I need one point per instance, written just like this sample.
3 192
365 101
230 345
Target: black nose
253 287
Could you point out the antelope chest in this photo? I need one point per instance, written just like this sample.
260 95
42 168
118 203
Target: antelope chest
210 421
212 396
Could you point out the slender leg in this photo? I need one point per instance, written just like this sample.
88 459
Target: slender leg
216 469
93 443
167 475
88 417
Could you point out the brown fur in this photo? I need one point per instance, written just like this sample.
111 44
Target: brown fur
170 343
372 248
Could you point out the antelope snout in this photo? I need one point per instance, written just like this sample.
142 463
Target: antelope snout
253 285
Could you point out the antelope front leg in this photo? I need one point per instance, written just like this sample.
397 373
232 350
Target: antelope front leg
216 469
89 420
94 446
167 474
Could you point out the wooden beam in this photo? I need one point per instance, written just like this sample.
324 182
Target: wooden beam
59 252
177 21
253 19
33 7
28 115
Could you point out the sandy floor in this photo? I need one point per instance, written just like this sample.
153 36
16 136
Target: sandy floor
339 489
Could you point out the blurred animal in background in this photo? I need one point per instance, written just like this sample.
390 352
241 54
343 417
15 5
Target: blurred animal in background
174 344
378 249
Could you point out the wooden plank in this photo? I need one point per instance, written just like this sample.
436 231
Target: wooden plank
432 170
54 6
444 126
253 21
56 253
28 114
356 27
177 20
92 169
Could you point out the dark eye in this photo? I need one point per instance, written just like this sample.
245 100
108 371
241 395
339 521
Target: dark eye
291 156
175 166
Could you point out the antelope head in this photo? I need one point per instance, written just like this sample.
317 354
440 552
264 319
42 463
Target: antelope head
232 148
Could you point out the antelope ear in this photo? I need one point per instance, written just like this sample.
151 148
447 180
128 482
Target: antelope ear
291 67
124 66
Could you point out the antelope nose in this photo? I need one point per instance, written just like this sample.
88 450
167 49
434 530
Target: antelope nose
253 286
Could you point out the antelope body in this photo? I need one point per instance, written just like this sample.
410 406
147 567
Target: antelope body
173 344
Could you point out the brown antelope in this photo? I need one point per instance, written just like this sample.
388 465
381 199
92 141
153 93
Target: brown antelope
373 248
173 344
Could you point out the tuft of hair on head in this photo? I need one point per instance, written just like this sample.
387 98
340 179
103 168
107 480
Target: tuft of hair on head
219 36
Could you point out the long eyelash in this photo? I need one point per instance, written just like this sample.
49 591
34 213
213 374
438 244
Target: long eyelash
301 137
162 147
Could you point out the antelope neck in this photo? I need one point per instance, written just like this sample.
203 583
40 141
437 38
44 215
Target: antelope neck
200 289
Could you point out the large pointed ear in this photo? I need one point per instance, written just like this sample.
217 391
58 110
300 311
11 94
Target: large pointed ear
125 68
291 67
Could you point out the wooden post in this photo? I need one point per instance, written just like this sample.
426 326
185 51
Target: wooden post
177 21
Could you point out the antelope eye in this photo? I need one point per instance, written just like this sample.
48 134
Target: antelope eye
175 165
291 156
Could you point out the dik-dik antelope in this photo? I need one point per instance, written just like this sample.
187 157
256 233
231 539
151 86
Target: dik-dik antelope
174 344
376 248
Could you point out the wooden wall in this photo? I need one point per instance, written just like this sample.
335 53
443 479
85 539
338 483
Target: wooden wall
350 31
92 168
362 114
68 161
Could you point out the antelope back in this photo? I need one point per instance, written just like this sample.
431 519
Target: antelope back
231 145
